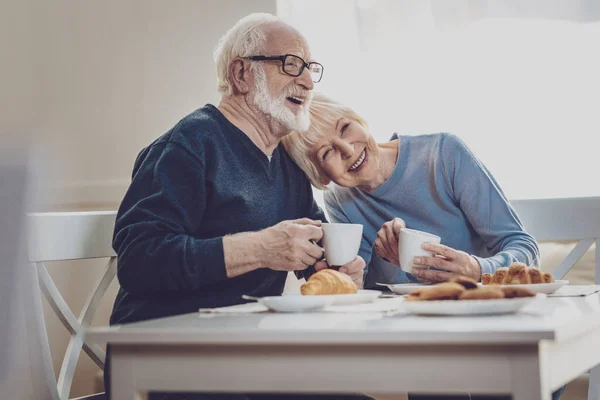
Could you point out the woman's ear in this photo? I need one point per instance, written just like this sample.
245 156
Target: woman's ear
240 73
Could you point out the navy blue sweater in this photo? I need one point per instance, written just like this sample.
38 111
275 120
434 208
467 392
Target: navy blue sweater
198 182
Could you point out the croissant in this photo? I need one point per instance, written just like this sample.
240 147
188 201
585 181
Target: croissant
517 273
329 281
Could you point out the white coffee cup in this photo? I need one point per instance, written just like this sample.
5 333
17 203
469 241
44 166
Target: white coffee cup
341 242
409 247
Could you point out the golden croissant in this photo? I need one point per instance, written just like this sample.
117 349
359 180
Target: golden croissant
329 281
517 273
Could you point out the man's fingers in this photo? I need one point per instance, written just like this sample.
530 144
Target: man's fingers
314 250
308 259
311 232
307 221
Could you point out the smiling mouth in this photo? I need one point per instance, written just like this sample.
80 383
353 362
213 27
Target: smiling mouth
296 100
358 162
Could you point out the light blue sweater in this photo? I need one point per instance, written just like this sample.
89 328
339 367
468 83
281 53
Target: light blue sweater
438 186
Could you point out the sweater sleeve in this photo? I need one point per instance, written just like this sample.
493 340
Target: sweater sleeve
163 206
484 204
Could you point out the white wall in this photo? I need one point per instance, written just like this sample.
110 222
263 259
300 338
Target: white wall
116 75
94 82
19 81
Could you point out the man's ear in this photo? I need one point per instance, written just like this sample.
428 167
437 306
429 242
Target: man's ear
240 74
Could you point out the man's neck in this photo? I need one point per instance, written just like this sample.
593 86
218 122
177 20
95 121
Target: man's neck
265 134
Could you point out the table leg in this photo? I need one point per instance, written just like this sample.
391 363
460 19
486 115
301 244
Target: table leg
123 383
527 377
594 384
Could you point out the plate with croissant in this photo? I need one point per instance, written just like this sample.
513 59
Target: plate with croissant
463 296
339 287
519 274
292 304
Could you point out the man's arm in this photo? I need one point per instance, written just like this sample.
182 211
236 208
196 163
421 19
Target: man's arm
164 206
161 209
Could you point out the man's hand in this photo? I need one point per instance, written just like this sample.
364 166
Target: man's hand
451 262
289 246
355 269
386 243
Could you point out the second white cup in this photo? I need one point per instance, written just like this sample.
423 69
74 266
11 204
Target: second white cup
341 242
409 246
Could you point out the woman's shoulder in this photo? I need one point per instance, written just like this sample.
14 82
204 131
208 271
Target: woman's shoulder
336 195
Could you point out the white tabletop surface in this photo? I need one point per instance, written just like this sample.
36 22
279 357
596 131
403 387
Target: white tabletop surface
546 319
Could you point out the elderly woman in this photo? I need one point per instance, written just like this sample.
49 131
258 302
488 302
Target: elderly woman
432 183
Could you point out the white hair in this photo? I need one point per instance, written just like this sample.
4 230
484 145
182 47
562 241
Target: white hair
274 107
246 38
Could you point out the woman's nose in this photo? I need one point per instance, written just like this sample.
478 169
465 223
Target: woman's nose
347 149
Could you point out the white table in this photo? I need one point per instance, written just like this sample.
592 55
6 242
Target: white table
529 354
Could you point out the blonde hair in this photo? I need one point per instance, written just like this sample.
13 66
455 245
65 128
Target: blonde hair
324 114
246 38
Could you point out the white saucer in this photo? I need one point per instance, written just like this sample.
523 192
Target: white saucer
546 288
469 307
297 303
363 296
403 288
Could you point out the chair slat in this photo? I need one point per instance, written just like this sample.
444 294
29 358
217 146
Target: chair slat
56 301
574 255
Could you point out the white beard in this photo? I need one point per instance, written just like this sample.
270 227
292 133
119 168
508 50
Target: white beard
275 107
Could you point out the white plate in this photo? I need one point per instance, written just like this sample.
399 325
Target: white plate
363 296
295 303
546 288
403 288
469 307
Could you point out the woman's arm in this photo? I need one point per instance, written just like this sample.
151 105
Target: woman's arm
483 202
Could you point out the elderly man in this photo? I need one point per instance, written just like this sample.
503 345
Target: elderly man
216 208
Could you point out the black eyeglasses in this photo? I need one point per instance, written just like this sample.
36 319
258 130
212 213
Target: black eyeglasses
294 65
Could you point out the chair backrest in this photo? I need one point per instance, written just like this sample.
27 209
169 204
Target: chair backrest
575 219
57 237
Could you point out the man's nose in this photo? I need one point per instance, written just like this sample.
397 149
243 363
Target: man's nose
305 79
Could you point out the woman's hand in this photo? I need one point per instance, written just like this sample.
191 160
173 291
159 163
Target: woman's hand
451 262
355 269
386 243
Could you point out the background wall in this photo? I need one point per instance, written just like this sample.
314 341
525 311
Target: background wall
114 76
93 82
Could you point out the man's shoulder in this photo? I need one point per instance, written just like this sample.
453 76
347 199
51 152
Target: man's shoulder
191 134
198 127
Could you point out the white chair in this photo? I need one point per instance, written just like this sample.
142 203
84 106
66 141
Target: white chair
58 237
574 219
